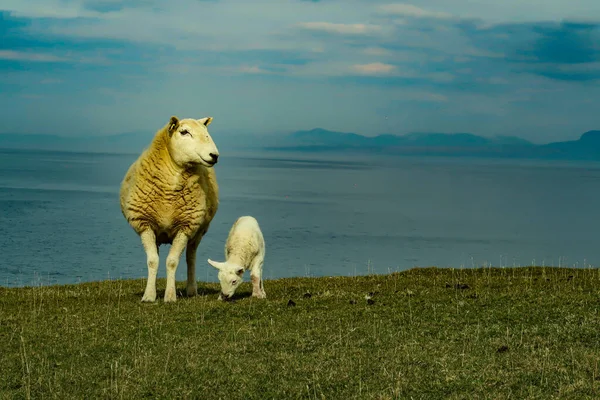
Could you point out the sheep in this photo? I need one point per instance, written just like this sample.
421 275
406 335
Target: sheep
244 249
170 195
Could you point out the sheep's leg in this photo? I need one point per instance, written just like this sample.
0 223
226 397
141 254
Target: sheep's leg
256 277
149 243
190 258
177 248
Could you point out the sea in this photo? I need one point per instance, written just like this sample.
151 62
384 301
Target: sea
321 215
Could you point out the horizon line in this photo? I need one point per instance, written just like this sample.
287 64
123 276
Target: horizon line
289 132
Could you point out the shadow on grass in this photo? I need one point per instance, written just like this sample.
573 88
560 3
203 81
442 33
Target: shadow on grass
202 291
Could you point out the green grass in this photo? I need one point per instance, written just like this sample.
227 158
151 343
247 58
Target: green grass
522 333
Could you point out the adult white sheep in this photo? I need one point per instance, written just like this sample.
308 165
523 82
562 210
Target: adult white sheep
170 195
244 249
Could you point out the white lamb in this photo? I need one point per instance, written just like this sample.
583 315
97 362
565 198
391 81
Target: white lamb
170 195
244 249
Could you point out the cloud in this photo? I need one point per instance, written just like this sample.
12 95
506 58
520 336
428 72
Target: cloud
583 72
557 50
51 9
434 97
409 10
479 66
263 69
31 96
163 25
51 81
374 68
252 70
567 43
376 51
422 97
343 29
104 6
12 55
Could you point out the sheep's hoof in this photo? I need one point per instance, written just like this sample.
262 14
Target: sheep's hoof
261 295
149 298
192 291
170 297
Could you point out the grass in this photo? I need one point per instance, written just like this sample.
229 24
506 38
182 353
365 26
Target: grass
489 333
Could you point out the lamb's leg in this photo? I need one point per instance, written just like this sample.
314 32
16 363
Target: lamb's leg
177 248
256 277
149 243
190 258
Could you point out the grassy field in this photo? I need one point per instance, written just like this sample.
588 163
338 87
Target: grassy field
523 333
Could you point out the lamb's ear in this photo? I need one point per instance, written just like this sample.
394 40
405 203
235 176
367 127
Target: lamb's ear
173 124
205 121
240 272
216 264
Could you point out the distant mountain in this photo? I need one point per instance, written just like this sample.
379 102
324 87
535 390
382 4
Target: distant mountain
322 137
462 140
587 147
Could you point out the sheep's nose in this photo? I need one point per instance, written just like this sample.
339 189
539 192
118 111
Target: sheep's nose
214 157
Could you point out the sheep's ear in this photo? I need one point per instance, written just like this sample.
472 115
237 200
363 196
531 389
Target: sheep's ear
216 264
173 124
206 121
240 272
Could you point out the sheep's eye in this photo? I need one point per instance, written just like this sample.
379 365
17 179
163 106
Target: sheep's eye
233 282
184 132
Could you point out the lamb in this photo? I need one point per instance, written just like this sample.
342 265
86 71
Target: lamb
244 249
170 195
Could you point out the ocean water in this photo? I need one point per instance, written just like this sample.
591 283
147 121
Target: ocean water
320 214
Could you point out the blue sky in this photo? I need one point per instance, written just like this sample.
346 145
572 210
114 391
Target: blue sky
510 67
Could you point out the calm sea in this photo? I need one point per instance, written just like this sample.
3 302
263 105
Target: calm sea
321 215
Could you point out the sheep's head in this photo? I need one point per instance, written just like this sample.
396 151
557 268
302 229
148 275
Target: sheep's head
230 277
190 143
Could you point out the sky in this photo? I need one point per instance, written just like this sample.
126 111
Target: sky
511 67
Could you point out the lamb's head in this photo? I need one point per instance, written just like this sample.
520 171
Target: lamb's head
190 143
230 277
